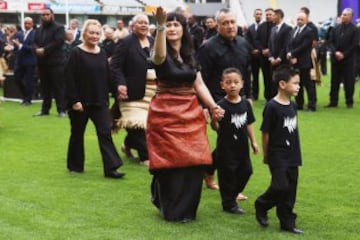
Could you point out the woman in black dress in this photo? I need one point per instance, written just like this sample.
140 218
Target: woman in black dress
87 88
176 134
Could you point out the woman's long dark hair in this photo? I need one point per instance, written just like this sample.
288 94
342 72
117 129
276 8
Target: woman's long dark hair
186 50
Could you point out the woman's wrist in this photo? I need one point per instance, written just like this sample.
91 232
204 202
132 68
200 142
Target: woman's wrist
160 27
213 108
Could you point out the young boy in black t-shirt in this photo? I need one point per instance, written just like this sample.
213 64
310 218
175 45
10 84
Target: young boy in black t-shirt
232 155
281 149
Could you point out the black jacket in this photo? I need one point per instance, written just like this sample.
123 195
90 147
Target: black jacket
344 38
129 65
51 37
300 47
278 42
216 55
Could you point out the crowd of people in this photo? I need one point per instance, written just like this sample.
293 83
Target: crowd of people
166 84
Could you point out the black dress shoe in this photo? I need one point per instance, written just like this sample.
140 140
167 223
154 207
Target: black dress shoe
61 114
261 217
40 114
235 210
293 230
26 103
311 110
331 105
114 174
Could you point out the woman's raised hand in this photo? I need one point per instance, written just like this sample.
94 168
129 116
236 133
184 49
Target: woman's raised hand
160 16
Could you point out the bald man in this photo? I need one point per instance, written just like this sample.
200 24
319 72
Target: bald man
26 62
343 41
299 56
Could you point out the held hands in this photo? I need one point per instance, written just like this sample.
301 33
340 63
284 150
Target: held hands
160 16
78 107
217 113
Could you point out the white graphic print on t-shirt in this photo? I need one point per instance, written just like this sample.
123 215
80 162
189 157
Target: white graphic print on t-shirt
239 120
290 123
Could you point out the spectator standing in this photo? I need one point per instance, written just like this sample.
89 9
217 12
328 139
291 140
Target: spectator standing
48 42
278 42
196 31
211 28
74 27
25 62
299 55
108 44
262 44
255 53
121 31
344 39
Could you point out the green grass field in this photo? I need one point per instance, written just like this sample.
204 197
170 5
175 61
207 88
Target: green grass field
39 199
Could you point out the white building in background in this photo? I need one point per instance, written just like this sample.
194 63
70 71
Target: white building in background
12 11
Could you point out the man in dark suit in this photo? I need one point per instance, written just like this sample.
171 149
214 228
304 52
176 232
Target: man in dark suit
278 41
74 27
255 53
261 43
196 32
129 66
48 41
343 41
299 55
25 62
211 28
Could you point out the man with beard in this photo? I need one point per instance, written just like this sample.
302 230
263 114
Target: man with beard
48 42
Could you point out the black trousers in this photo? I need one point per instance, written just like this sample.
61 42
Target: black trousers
136 139
177 192
255 68
25 80
267 76
342 72
232 181
100 116
52 85
322 56
282 195
310 86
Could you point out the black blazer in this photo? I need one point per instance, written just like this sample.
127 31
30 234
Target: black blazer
250 35
51 37
25 55
300 47
278 42
129 65
344 38
263 35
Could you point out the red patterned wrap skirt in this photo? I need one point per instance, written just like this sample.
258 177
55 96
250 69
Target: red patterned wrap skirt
176 132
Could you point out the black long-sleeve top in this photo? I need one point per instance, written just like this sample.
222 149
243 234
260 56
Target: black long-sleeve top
344 38
51 37
88 78
216 55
